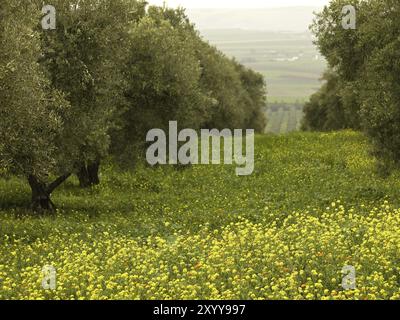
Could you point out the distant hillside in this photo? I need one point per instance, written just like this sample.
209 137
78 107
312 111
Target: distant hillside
293 19
291 64
273 41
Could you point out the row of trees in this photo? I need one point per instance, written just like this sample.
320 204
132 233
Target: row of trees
94 86
362 89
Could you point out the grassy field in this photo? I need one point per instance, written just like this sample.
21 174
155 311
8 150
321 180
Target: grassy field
313 205
289 61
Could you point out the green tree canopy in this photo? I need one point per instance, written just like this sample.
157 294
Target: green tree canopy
30 110
366 63
84 58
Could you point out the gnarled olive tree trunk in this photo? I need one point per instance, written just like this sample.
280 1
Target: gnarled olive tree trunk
88 175
41 193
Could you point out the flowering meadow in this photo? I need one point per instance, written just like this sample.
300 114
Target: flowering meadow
314 204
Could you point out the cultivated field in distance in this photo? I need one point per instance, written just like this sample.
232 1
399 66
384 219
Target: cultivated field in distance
284 118
281 49
289 61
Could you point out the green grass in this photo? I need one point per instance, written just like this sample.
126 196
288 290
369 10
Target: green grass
202 232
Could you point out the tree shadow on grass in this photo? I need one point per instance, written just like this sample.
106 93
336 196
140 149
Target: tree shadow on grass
12 201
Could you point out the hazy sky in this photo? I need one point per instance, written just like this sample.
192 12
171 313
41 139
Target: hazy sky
239 3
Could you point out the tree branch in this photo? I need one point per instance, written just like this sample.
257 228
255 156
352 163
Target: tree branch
52 186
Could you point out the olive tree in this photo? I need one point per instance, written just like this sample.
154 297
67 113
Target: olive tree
366 61
345 57
324 111
380 81
162 84
30 110
84 58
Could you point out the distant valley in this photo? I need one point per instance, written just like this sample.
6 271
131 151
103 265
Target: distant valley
275 42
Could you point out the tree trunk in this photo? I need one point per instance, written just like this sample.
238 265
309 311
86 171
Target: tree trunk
41 200
83 176
88 175
41 193
93 170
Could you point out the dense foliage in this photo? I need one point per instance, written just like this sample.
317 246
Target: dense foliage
324 111
30 109
84 58
365 91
